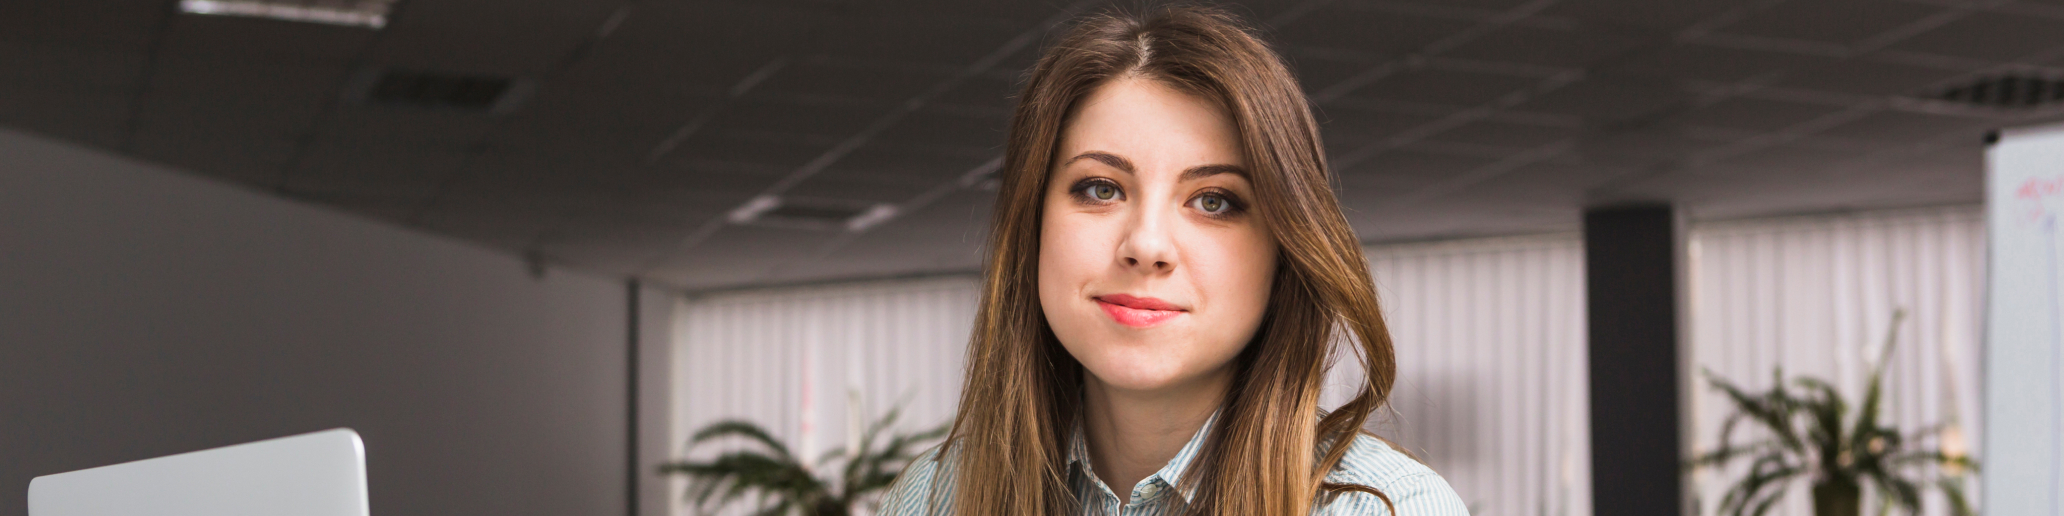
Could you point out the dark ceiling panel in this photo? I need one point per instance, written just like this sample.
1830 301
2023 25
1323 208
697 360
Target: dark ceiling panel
1752 114
1549 47
1906 128
403 172
1831 21
634 147
945 126
1505 134
520 38
831 78
737 255
1693 61
1454 88
71 68
1990 36
1383 33
915 36
261 42
1868 78
105 25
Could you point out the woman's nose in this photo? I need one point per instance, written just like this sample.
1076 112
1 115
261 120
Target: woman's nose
1147 246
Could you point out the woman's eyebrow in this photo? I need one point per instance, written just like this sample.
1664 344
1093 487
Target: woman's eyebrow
1204 171
1114 160
1190 174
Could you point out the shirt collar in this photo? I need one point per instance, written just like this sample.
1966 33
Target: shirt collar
1170 474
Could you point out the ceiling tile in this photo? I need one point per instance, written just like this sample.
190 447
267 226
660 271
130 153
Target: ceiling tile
1983 35
839 80
1640 17
1445 87
253 41
1347 126
94 119
1863 77
1543 46
1831 21
915 36
738 255
1900 127
1371 32
1610 102
70 68
1503 134
827 119
375 169
487 36
418 125
1695 62
1402 171
1752 114
936 126
773 151
102 25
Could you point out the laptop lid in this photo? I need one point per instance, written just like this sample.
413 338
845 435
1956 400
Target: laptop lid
315 474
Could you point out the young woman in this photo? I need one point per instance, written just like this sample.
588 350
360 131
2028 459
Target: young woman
1167 272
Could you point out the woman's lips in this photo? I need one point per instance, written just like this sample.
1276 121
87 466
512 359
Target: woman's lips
1137 312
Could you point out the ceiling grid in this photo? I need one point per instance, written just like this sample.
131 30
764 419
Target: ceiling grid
652 123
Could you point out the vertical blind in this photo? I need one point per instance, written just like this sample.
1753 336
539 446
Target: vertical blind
812 363
1491 392
1815 295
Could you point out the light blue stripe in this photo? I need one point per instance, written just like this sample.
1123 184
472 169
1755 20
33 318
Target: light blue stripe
926 486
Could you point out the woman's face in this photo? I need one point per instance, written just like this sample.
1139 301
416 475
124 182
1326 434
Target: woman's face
1154 270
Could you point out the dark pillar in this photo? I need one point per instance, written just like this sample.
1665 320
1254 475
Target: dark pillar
1631 269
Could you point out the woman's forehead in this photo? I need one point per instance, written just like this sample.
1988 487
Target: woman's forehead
1152 125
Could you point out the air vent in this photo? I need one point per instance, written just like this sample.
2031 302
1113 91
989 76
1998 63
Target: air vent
350 13
2003 91
440 90
812 213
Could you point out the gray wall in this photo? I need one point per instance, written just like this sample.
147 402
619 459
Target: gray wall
144 312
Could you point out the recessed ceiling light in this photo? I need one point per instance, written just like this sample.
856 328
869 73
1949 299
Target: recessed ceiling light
352 13
2008 91
817 214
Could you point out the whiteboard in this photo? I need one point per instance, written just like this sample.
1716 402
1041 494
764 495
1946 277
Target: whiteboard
317 474
2023 465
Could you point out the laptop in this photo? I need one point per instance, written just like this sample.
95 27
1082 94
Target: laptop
316 474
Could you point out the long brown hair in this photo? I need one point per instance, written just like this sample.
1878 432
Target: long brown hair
1023 390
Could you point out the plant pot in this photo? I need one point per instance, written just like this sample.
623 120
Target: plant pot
1837 497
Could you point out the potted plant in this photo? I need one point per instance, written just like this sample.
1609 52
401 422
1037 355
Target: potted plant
784 483
1809 439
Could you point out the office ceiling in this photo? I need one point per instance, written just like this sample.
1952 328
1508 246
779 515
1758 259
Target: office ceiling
638 127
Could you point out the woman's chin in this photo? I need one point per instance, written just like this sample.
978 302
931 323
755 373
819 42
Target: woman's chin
1132 377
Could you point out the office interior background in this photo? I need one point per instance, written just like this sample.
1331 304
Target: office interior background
525 247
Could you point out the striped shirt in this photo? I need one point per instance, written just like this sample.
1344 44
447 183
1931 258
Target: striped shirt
925 488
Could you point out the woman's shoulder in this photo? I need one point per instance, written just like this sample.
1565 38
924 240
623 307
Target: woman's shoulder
1410 485
924 486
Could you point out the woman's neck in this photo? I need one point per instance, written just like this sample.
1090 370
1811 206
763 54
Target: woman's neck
1131 433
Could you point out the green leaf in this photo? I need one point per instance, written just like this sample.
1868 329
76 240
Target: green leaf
739 428
1874 392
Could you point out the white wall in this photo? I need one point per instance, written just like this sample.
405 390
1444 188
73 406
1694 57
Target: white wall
145 312
1816 295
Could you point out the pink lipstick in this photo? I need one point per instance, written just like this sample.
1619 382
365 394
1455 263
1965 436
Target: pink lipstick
1137 312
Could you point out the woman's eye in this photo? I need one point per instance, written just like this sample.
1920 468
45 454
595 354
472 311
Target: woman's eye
1103 192
1213 204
